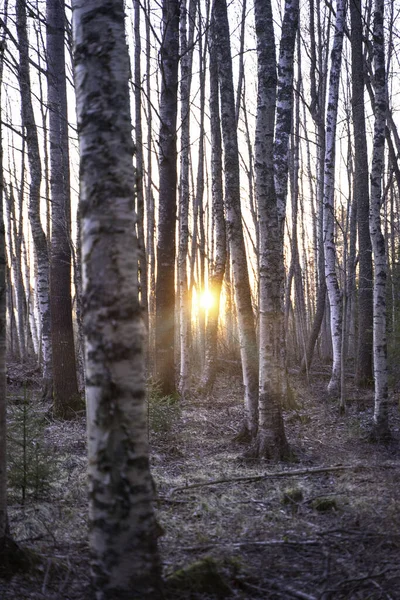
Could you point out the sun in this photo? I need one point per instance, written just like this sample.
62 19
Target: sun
207 300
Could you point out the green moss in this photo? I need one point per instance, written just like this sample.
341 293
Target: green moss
292 496
201 577
324 504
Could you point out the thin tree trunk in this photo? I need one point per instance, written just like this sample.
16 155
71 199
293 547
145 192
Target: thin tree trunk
65 385
363 374
139 168
381 420
123 539
11 557
165 284
247 334
218 270
151 230
318 68
271 167
186 41
35 170
3 340
199 200
332 283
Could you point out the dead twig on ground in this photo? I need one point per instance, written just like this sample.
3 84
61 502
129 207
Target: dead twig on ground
280 474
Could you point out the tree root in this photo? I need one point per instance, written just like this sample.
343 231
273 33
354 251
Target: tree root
269 447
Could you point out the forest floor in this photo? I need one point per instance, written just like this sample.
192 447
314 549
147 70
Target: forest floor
323 527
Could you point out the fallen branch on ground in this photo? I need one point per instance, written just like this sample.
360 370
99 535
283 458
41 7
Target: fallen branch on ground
248 543
278 474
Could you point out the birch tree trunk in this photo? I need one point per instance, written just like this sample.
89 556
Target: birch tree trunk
143 288
35 171
380 421
165 284
122 534
3 339
186 40
65 385
247 334
332 283
218 268
151 229
271 190
199 200
363 375
318 84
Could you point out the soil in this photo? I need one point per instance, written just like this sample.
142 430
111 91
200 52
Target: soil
325 526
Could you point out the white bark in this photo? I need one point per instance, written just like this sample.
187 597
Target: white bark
284 105
381 423
272 369
122 526
35 170
332 283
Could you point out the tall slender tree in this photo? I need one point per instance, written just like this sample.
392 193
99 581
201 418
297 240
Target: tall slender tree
35 172
166 246
332 282
11 556
187 20
140 165
3 330
271 190
123 541
381 420
65 385
318 84
363 374
218 268
234 228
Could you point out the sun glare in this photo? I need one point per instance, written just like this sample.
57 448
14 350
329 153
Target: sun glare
206 300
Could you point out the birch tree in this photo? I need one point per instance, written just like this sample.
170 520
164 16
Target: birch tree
140 166
380 420
3 321
319 45
122 526
187 19
35 172
167 162
247 335
218 268
332 283
271 190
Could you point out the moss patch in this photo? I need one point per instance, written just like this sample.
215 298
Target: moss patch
201 577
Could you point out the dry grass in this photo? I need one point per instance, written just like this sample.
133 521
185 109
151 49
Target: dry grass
327 536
